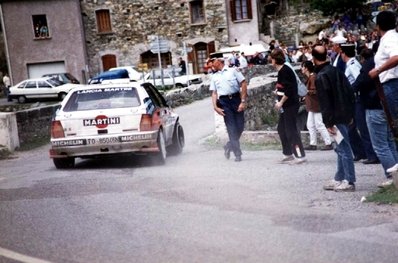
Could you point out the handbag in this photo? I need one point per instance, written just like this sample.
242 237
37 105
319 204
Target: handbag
301 87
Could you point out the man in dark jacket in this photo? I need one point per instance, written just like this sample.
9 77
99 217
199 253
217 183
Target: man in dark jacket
336 100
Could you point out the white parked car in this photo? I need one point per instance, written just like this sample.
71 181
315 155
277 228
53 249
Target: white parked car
172 78
40 88
103 119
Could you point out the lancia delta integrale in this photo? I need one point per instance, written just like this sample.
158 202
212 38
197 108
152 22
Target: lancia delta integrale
99 120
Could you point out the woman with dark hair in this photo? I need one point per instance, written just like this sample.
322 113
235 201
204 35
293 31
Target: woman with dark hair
287 105
314 118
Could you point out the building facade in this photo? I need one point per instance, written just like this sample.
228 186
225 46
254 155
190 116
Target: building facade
40 37
86 37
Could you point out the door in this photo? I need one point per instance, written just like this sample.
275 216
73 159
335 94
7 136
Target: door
39 69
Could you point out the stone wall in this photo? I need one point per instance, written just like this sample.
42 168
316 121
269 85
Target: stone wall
34 124
260 113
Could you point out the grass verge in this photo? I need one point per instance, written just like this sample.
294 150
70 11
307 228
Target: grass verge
388 195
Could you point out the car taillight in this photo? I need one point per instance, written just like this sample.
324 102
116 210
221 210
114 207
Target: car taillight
57 131
146 122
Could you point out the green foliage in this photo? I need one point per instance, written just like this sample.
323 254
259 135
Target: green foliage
330 7
386 195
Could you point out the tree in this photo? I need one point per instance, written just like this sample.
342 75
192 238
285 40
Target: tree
329 7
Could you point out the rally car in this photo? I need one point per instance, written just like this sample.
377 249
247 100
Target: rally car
99 120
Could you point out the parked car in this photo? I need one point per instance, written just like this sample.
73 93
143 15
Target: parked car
111 76
64 77
109 119
171 78
40 88
134 75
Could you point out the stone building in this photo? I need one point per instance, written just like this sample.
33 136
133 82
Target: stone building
120 32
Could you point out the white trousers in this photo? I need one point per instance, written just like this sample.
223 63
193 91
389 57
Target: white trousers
314 124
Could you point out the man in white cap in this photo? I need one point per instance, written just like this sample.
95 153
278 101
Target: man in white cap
338 61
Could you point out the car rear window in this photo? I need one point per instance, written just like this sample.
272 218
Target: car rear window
102 98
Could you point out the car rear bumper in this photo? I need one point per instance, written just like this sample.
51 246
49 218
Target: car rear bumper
102 145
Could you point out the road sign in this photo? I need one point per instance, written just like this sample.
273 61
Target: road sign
159 46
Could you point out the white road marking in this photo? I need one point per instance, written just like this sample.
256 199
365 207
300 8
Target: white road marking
20 257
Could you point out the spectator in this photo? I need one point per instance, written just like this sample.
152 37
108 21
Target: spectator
336 100
360 141
380 133
7 85
287 105
314 119
183 66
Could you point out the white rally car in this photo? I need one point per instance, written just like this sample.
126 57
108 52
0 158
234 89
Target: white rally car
98 120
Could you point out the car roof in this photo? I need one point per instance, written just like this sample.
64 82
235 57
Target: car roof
111 85
37 79
111 73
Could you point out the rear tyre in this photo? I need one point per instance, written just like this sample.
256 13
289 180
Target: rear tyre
21 99
179 86
178 140
160 157
64 163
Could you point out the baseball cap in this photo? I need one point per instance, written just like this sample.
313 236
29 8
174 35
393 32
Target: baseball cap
338 39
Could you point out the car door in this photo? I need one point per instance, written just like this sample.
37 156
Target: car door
45 90
30 89
165 114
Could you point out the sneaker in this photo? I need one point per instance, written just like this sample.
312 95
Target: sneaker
327 147
299 160
392 169
376 161
310 148
345 186
331 185
287 159
385 184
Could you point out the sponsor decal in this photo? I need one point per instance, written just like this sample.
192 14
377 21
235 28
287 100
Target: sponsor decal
69 142
101 121
135 137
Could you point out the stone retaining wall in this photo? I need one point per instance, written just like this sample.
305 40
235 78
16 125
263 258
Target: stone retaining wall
34 124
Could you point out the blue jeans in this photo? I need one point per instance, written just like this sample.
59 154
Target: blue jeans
391 93
345 162
234 121
360 119
382 139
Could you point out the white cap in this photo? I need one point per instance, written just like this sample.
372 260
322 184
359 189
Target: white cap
338 39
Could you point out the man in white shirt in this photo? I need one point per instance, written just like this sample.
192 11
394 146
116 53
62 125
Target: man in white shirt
386 60
7 85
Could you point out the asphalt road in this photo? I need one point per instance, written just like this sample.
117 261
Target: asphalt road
199 207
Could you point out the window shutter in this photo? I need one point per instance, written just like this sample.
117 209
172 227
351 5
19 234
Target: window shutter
249 9
108 61
103 21
211 47
233 9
